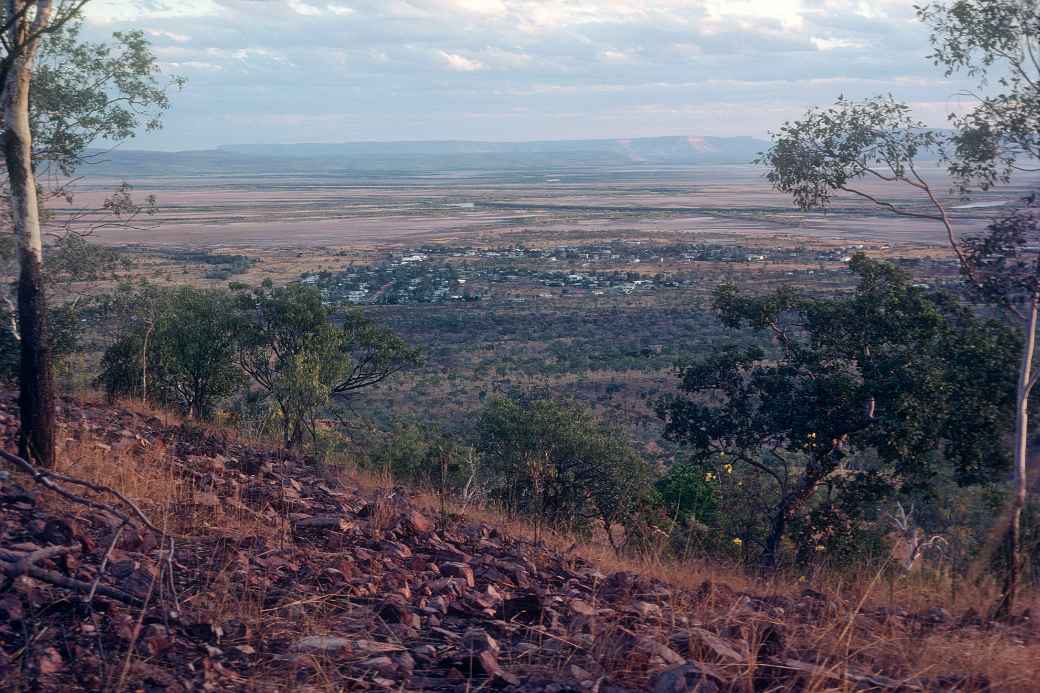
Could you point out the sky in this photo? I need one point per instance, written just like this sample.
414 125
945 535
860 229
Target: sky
284 71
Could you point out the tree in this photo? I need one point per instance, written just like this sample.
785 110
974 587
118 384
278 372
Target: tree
554 461
996 42
1004 267
865 395
291 348
83 95
178 350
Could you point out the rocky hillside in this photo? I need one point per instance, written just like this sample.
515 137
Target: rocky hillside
277 574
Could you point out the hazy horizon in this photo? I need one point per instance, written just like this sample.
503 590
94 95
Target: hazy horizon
131 145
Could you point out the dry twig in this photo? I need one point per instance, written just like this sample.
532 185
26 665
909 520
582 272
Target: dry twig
44 477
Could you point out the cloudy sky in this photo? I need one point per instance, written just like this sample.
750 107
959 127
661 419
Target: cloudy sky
273 71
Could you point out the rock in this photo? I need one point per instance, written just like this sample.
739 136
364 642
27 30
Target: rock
525 608
582 608
487 664
707 642
323 523
771 641
418 522
156 639
204 631
647 610
11 608
323 645
936 616
396 610
332 645
684 678
50 661
383 664
206 499
459 570
58 532
659 650
477 640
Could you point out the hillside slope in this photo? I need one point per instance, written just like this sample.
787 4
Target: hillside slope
286 576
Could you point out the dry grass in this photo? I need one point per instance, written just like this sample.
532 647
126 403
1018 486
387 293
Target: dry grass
840 638
964 658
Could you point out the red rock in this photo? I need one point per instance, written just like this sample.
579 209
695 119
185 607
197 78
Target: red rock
459 570
418 523
50 661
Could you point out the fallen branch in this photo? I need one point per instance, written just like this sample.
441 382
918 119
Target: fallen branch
44 478
24 561
104 562
14 565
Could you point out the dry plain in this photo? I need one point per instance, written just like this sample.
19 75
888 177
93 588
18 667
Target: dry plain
272 212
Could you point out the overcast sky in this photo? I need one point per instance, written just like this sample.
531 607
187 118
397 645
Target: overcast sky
274 71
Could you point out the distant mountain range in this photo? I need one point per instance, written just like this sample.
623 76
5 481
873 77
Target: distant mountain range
417 157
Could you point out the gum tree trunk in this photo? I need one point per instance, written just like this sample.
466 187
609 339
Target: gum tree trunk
36 379
1018 503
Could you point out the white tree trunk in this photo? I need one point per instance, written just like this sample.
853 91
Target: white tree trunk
1014 534
36 381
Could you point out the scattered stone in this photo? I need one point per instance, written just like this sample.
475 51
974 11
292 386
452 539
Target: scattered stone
526 608
684 678
323 523
418 522
459 570
395 594
646 610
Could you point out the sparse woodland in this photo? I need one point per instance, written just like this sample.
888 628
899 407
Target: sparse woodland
817 487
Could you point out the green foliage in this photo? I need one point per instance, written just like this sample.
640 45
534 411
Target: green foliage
994 41
866 394
428 458
177 351
291 349
84 93
831 148
554 461
688 494
68 260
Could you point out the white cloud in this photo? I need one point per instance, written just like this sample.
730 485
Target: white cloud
177 38
830 44
112 11
201 66
641 66
304 9
459 63
495 8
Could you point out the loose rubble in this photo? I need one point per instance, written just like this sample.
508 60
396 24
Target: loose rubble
296 581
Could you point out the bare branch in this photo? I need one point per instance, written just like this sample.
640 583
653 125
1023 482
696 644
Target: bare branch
44 478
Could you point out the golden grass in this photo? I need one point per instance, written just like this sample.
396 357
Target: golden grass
842 637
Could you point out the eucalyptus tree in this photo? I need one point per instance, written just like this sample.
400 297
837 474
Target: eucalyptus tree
866 395
294 352
554 461
997 42
175 347
59 96
852 144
